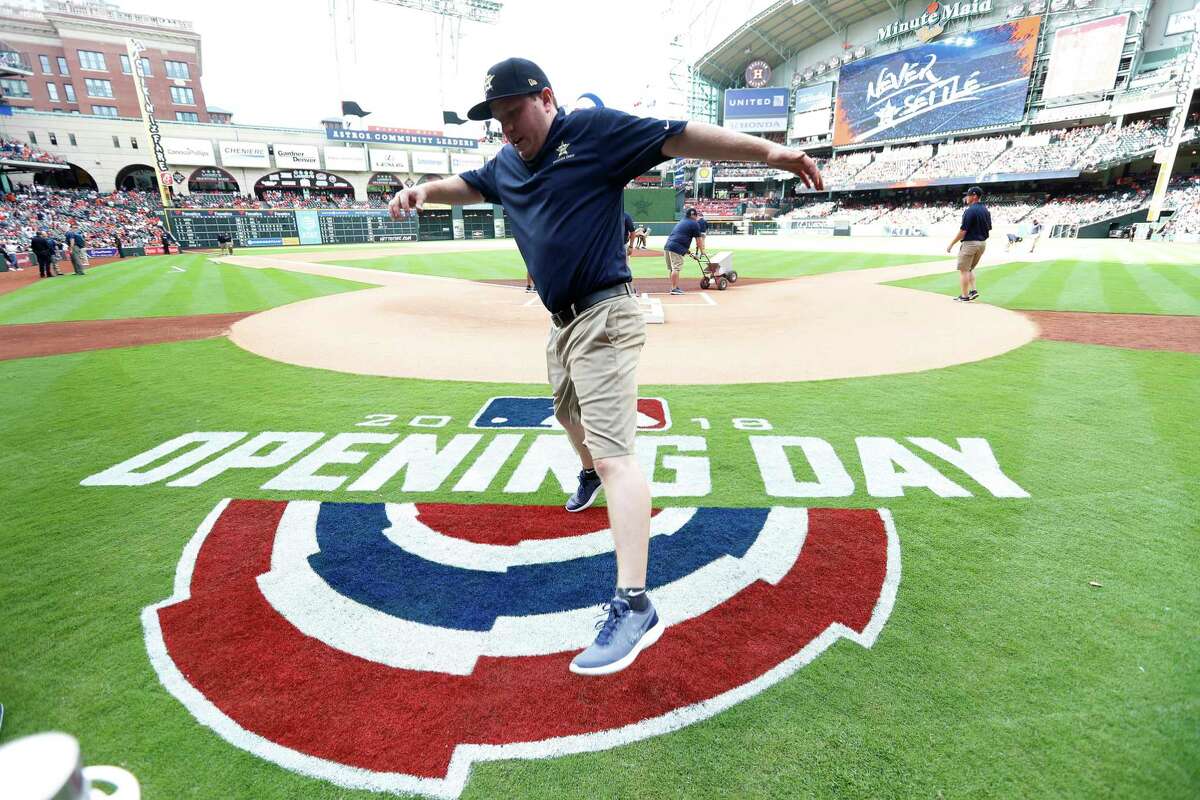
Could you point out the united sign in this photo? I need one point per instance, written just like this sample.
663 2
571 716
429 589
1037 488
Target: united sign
389 646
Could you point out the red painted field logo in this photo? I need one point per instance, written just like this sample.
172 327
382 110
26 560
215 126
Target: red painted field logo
390 646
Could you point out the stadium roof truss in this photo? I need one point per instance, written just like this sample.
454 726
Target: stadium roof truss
785 28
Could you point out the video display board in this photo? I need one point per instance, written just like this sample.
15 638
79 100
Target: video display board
1085 57
971 80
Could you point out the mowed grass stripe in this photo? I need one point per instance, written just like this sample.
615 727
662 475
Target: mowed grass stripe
1119 289
1074 285
158 285
1167 294
90 297
1046 288
1082 291
149 287
52 298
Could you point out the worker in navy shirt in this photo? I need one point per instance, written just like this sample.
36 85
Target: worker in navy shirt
679 244
973 233
630 234
560 179
701 246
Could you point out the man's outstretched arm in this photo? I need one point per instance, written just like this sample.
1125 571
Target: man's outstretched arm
448 191
702 140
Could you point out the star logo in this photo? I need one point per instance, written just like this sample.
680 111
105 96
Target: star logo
562 150
487 83
887 114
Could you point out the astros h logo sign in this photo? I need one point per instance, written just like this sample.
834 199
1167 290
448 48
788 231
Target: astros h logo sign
391 646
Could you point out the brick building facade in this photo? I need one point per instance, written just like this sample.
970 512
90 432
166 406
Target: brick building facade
77 56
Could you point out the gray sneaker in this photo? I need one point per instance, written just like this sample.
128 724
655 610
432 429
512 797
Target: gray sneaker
623 634
585 495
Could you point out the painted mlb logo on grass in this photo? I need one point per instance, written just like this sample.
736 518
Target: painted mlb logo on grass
538 412
389 646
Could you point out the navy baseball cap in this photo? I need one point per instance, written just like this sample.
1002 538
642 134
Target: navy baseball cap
975 190
510 78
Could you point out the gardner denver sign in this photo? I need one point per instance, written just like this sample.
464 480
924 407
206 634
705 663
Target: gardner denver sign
931 24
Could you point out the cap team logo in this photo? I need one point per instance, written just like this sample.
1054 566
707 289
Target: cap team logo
391 646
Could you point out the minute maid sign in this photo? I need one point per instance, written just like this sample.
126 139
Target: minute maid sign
931 24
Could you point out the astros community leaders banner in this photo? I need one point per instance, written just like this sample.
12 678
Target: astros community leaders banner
971 80
756 109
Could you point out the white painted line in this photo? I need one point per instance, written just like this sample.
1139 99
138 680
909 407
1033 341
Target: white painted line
179 269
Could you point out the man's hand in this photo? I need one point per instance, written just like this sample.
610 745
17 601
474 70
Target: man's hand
950 247
406 201
797 162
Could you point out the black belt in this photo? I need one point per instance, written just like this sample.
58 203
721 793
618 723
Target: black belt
563 318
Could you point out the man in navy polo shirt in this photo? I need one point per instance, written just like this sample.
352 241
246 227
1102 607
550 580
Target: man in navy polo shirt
630 233
560 179
973 233
679 243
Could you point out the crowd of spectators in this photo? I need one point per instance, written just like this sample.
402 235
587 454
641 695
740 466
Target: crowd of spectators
840 170
889 170
99 216
19 151
962 158
1035 153
1083 207
1118 143
278 199
1184 199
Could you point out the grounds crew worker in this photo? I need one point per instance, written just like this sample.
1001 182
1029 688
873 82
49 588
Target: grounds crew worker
679 244
557 178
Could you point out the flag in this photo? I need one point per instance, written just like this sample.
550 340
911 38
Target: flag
452 118
353 109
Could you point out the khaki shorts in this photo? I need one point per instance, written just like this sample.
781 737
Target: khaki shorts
969 254
592 365
674 261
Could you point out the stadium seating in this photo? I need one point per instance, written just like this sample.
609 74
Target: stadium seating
1046 151
969 157
1120 143
97 215
19 151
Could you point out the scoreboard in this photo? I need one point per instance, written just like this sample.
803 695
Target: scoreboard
249 228
340 226
199 227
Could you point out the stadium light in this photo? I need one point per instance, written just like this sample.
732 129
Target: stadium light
860 51
1059 5
1083 3
1016 11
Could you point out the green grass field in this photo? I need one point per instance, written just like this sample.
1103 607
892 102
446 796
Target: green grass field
1067 285
155 286
1002 671
507 264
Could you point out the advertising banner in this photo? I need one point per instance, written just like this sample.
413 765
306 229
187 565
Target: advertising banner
971 80
389 160
384 137
353 159
810 123
810 98
424 162
188 151
461 162
300 156
244 154
756 110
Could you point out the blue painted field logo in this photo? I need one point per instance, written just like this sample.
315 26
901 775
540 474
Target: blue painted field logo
538 413
389 646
